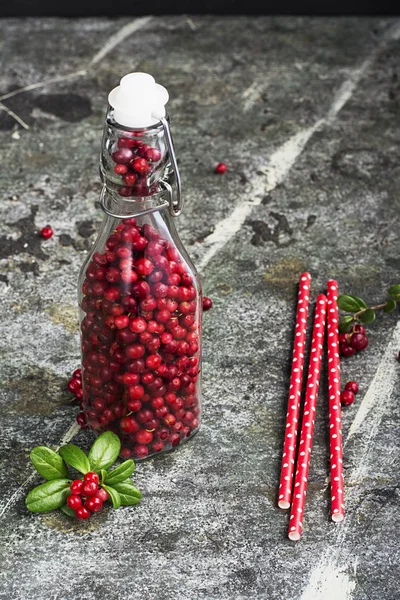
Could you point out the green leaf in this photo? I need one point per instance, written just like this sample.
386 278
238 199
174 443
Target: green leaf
104 451
48 463
390 306
351 303
75 457
103 475
368 316
115 497
394 290
68 511
129 494
345 323
121 473
48 496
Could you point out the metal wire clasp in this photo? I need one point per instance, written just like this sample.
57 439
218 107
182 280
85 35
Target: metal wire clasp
175 205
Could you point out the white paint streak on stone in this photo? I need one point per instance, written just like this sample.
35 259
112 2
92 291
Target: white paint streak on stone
329 583
119 37
280 163
40 84
252 94
284 157
375 401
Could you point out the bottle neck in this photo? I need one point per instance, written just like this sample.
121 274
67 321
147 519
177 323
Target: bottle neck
133 162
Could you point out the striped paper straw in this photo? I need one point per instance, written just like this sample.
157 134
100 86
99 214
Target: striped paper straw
335 412
307 429
296 382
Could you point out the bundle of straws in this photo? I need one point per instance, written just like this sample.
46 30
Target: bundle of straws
296 454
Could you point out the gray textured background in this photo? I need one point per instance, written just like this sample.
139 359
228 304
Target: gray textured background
306 114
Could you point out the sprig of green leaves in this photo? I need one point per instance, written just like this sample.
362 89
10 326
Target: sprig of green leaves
363 313
53 466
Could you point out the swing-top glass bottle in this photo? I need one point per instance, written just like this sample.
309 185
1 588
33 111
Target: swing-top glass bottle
139 293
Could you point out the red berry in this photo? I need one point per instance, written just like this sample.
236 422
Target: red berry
359 341
144 437
130 179
359 329
144 267
347 350
347 397
124 156
120 169
93 504
343 338
352 386
77 374
140 165
73 385
46 232
103 495
82 513
121 322
129 424
207 303
140 451
89 488
126 143
138 325
221 168
74 501
81 420
157 446
174 438
153 155
91 476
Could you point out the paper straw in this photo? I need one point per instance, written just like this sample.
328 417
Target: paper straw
335 412
296 382
307 428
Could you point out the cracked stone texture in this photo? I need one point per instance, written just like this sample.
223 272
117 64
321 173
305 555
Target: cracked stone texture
208 527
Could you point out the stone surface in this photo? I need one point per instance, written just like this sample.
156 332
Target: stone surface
305 112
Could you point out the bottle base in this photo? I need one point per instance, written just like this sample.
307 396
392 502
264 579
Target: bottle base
168 449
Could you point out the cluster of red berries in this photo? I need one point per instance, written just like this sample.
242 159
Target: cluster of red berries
86 497
347 397
140 341
354 341
135 163
46 232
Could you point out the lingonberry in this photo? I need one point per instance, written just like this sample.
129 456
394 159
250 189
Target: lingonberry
207 303
144 267
82 513
76 486
46 232
140 451
347 350
351 386
120 169
129 424
221 168
139 165
89 488
152 155
138 325
74 501
91 476
81 420
174 438
93 504
126 453
121 322
123 156
157 446
77 374
102 494
130 179
359 329
359 341
73 385
347 397
144 436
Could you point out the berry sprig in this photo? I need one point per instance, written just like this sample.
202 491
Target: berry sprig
82 497
353 336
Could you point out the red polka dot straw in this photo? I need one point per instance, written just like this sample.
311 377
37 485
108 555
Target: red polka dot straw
296 382
335 413
307 428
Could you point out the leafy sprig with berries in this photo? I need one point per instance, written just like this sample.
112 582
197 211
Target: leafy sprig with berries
82 497
352 326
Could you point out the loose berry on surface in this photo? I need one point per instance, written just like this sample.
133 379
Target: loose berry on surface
347 398
46 232
221 168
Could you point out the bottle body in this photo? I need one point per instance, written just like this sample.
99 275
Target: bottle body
140 308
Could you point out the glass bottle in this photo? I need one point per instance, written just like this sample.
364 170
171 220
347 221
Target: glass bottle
140 297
